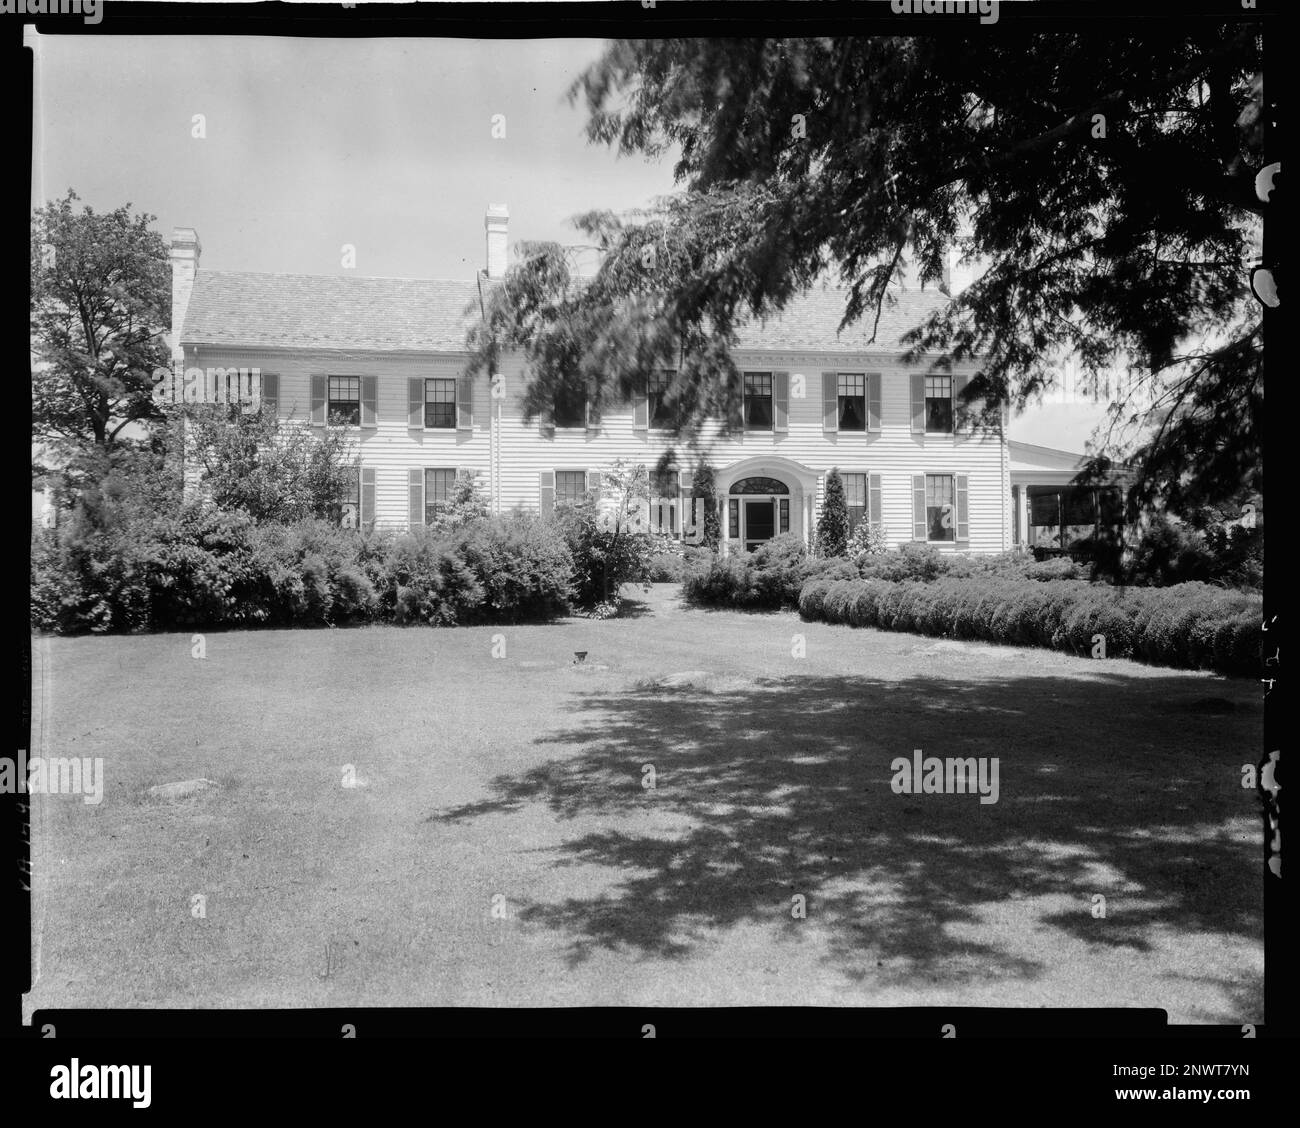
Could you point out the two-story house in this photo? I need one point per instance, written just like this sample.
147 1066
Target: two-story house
389 354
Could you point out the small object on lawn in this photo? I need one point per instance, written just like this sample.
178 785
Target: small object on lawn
181 789
579 655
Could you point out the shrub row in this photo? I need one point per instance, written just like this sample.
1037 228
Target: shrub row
774 574
1192 625
212 568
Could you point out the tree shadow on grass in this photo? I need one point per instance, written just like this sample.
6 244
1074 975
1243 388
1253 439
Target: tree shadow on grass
1109 785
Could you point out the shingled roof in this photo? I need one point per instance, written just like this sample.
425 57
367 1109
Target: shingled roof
336 312
322 311
810 323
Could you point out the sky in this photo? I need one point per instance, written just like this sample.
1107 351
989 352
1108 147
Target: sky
383 144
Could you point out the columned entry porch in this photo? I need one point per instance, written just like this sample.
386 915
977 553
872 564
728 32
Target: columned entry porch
760 498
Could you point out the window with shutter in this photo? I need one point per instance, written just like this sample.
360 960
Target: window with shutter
344 400
570 408
938 405
440 404
940 507
851 399
438 493
758 401
855 498
570 486
659 414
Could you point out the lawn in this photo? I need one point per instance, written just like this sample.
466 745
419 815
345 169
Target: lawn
499 846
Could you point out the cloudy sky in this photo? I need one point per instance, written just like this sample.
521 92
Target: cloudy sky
384 144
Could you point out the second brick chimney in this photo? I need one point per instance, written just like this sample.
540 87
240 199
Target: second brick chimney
186 250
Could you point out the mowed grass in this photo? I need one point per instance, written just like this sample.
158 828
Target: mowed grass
501 846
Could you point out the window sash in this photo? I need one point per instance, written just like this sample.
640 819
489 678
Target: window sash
569 410
347 511
343 397
940 491
855 488
938 404
758 401
570 486
440 403
666 486
658 389
438 485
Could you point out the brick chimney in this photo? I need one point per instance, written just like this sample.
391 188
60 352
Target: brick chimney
186 249
495 222
911 279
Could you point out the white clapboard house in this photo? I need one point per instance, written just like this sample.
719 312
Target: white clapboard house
389 354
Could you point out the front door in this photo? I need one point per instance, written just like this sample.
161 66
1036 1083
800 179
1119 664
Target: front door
760 521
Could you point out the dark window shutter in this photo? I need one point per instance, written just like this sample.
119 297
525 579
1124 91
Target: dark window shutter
920 527
780 402
918 403
317 399
873 401
736 418
546 485
369 401
959 418
368 485
271 392
464 404
963 507
830 402
415 487
415 403
593 483
641 411
874 505
593 417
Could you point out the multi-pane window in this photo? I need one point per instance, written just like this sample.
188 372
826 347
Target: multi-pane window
940 507
345 399
663 495
570 408
855 498
437 492
570 486
664 485
938 404
758 401
348 510
853 401
440 403
659 382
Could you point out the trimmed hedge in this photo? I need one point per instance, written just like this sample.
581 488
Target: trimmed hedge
208 568
1192 625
